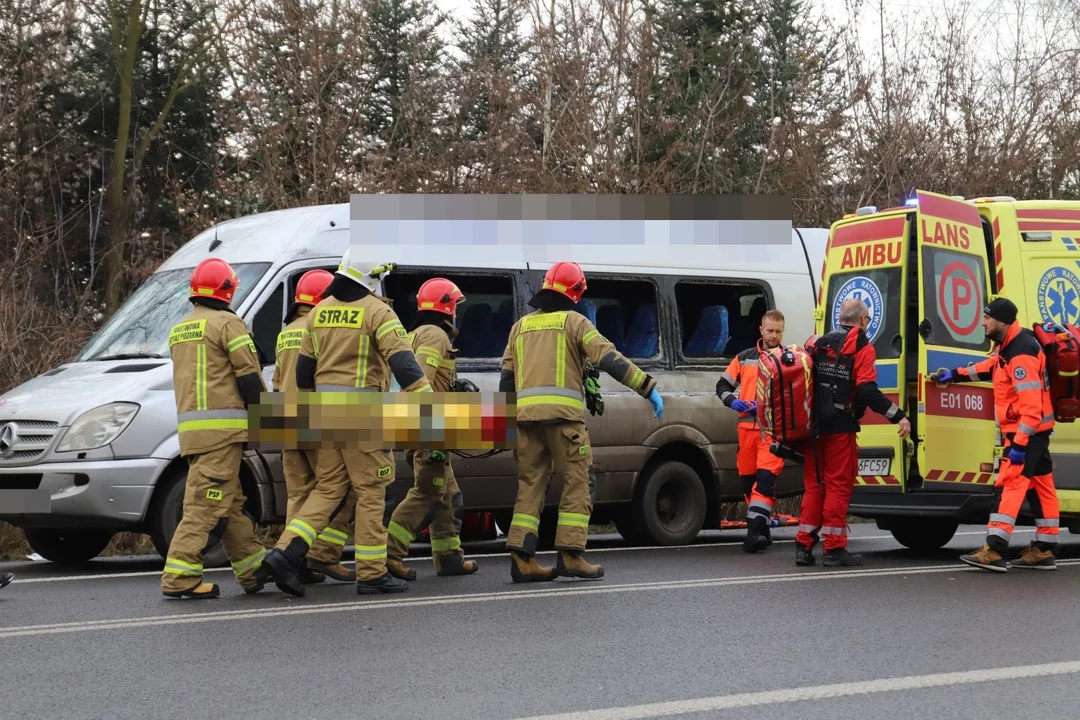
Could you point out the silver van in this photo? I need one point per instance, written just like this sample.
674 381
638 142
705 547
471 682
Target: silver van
92 448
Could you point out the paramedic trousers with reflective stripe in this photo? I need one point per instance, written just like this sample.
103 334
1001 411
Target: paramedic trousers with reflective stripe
299 468
368 474
213 508
1033 480
758 469
830 467
565 449
434 498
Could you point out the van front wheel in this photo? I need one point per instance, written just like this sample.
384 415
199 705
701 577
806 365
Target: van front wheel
669 506
923 535
165 514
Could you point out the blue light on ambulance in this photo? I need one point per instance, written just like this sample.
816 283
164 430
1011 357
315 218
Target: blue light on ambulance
911 202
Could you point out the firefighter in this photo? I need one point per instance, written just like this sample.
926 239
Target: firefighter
353 341
845 359
216 376
543 363
1017 367
758 467
324 558
435 490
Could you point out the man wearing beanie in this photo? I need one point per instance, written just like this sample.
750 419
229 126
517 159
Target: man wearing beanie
1017 367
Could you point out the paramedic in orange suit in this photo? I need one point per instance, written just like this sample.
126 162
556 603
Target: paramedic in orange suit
832 459
758 468
1017 367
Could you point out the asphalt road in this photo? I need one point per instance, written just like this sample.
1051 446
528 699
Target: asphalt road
694 632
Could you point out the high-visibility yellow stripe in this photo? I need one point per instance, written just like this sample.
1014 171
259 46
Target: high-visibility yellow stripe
445 544
179 567
529 522
251 562
362 361
574 519
519 369
550 399
336 537
388 327
560 360
400 532
370 552
304 530
589 336
636 379
200 378
429 351
239 342
215 424
315 344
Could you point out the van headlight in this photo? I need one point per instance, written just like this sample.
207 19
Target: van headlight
98 427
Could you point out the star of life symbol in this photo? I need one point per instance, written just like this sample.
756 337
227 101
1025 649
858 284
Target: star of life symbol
1058 296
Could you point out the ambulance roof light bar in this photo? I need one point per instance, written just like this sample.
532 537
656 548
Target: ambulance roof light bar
911 202
867 210
995 198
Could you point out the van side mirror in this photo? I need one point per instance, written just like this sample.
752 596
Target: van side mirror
924 329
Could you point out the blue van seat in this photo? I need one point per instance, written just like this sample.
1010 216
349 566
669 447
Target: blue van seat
588 309
609 321
643 337
475 331
711 334
500 329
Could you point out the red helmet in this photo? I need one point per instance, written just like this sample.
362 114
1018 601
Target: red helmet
439 295
214 278
566 278
312 285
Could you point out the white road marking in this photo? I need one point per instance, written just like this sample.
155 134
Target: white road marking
424 558
546 591
817 692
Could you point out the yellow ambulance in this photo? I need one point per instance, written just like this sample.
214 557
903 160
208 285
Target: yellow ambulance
926 269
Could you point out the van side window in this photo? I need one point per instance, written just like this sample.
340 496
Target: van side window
881 290
483 320
718 318
267 323
626 312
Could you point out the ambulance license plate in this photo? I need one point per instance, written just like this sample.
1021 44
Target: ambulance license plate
875 466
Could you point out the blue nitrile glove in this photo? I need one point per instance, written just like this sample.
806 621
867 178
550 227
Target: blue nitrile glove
657 403
1017 455
742 406
943 377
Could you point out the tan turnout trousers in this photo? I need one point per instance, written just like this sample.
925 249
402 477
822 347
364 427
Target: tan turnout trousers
564 448
340 473
299 467
435 498
213 507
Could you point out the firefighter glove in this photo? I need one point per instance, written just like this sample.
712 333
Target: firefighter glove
1017 455
657 403
942 376
741 405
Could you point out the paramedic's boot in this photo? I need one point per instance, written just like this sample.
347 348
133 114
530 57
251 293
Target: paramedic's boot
804 556
986 558
755 535
286 567
203 591
337 571
6 578
572 563
397 568
386 584
1035 558
840 557
454 564
524 568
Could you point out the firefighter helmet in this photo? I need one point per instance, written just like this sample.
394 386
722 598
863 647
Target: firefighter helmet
566 278
312 286
214 278
368 276
439 295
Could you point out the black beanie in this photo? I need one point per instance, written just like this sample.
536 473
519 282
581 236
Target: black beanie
1002 310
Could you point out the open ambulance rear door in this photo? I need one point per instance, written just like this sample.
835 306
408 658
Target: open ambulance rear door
865 260
957 432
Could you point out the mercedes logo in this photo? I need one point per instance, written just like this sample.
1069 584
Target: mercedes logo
9 436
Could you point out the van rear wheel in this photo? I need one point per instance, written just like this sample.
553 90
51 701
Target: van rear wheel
923 535
67 547
669 505
165 514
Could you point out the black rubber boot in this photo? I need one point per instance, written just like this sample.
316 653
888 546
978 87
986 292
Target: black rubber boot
841 558
286 570
386 584
755 535
804 556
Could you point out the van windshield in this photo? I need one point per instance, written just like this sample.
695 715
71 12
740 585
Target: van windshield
140 328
